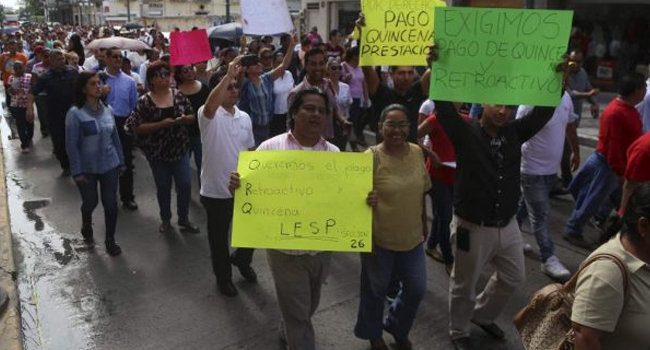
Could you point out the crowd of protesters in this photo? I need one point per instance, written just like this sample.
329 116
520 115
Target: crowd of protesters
488 169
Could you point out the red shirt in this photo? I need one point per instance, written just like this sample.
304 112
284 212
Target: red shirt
638 160
441 144
620 125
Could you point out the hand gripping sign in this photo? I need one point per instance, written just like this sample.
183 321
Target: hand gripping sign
303 200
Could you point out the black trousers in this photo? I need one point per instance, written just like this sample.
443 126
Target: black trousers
57 131
126 179
219 212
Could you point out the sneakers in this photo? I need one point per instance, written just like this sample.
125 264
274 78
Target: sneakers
554 269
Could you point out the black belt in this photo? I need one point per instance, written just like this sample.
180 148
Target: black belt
489 223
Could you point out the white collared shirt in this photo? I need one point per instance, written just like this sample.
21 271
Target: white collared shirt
222 138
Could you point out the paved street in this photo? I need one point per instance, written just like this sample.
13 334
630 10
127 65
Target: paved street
161 294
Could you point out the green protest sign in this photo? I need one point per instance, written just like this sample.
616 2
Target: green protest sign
499 56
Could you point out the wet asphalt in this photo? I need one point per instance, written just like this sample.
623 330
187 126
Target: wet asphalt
161 293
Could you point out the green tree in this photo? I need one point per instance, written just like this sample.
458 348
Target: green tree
2 14
32 8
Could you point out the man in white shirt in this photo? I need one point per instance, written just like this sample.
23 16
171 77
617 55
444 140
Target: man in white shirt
225 131
540 158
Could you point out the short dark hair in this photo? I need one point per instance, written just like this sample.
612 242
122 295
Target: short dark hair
313 52
298 100
153 69
630 83
391 108
351 53
333 33
637 207
79 85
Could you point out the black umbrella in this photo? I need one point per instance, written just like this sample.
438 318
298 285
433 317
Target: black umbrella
229 31
132 25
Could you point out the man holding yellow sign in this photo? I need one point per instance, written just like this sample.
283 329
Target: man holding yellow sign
290 194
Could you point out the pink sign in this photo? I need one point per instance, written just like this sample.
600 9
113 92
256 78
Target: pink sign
189 47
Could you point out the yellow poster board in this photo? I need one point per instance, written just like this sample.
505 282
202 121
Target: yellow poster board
303 200
397 32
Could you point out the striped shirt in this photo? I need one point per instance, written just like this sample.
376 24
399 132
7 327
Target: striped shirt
288 142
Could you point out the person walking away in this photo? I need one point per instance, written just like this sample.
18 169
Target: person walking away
93 146
601 175
400 182
19 84
122 97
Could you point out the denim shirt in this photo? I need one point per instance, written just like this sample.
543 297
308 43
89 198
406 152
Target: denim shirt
91 141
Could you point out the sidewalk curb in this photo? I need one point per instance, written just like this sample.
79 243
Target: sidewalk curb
10 323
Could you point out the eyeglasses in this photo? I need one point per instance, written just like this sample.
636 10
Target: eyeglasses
401 125
314 109
161 74
335 68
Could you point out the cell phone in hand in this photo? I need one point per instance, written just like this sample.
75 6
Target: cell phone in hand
462 239
249 60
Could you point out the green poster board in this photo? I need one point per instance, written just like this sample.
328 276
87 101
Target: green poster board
499 56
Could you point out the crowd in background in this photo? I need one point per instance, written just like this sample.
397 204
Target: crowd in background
488 168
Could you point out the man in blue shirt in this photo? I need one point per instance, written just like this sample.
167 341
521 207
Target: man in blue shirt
121 94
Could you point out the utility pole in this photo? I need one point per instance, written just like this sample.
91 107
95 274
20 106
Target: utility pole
227 11
128 11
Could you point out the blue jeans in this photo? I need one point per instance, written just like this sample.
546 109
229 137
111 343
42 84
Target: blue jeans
197 150
163 173
377 270
535 200
591 187
108 186
442 196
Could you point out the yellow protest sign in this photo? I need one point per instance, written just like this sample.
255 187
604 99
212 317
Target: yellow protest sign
397 32
303 200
